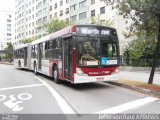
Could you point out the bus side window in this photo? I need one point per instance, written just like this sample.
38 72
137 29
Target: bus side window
54 44
59 43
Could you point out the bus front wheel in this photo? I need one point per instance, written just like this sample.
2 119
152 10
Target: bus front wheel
56 75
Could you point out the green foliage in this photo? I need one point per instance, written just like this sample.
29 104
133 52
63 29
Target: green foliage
55 25
9 56
138 50
144 28
96 21
28 40
141 12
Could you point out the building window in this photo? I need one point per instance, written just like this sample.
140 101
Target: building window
32 31
29 10
102 10
55 15
73 7
30 3
93 13
55 5
67 20
8 34
73 18
61 2
82 4
50 17
61 13
32 8
92 2
8 25
67 1
8 29
39 5
67 10
45 19
50 8
82 16
39 12
9 16
44 10
44 2
8 20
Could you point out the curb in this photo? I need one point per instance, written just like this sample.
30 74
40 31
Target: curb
138 89
6 63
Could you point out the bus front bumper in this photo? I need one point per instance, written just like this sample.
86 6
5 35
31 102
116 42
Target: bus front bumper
88 79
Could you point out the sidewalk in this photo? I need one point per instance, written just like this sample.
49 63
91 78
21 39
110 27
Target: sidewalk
7 63
137 79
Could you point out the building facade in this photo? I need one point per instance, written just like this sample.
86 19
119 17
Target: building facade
31 15
6 28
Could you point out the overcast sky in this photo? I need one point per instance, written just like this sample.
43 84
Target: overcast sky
7 5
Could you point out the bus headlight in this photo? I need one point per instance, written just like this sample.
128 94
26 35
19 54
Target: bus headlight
115 72
79 71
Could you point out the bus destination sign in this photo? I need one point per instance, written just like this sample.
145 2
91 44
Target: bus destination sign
95 31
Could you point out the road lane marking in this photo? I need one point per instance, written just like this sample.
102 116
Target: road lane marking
14 102
61 102
18 87
128 106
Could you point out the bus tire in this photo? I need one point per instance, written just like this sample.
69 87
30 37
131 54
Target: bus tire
35 69
56 75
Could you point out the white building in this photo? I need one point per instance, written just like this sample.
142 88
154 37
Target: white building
6 28
29 18
32 14
59 9
82 12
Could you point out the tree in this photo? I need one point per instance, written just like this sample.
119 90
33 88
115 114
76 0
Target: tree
55 25
28 40
96 21
9 47
141 12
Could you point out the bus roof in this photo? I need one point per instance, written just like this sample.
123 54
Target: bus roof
22 46
63 32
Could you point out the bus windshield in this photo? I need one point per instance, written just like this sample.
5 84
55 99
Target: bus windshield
97 51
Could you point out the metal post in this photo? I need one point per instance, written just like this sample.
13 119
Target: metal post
156 53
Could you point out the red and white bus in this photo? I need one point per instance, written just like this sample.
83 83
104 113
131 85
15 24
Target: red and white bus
78 54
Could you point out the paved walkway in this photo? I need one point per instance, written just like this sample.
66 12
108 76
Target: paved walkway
140 76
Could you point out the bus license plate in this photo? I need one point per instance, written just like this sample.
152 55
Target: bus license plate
100 78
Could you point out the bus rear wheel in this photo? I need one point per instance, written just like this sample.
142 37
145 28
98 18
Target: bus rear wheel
56 75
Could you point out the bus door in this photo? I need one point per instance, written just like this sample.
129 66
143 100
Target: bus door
67 58
40 46
25 56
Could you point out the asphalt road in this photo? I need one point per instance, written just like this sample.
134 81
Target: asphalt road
23 92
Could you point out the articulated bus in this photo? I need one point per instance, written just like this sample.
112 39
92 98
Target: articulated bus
78 54
22 56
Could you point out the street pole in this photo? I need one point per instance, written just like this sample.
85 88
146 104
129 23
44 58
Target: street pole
156 52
